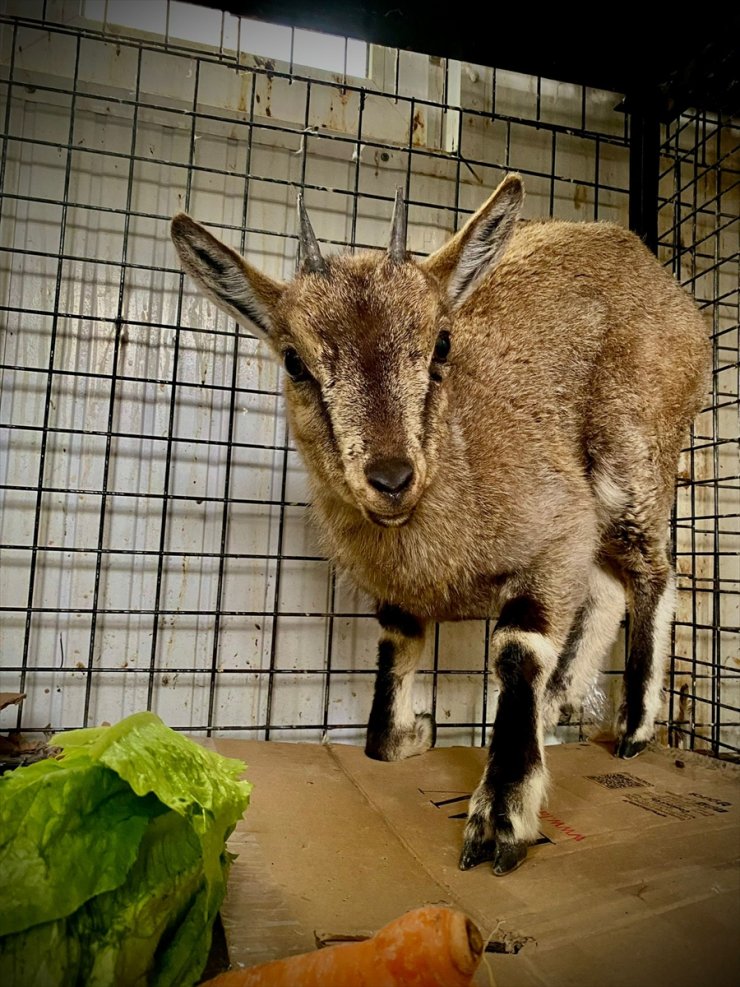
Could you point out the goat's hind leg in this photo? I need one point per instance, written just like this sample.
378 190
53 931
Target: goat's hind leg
652 602
638 499
394 731
591 635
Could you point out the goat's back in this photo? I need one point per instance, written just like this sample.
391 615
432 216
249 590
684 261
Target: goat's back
578 335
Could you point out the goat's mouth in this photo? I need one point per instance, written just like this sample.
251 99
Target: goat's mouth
389 520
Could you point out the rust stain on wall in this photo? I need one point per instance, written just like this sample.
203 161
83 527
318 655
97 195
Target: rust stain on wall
417 129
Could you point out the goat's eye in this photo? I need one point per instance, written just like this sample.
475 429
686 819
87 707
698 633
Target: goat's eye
294 365
442 346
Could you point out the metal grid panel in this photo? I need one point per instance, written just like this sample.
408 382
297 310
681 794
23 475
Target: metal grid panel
699 215
154 549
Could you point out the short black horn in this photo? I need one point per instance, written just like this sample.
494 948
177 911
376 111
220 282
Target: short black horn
397 245
309 245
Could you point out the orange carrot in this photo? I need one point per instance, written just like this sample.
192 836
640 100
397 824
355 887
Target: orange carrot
429 947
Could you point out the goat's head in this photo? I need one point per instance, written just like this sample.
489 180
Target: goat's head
366 341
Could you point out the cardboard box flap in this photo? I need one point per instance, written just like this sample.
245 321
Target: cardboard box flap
323 842
630 852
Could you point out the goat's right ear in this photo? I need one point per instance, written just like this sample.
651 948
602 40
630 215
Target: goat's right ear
466 259
225 277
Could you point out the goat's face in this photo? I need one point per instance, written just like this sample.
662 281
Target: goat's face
366 343
365 347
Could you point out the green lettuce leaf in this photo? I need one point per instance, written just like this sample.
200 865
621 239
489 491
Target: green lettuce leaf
153 758
44 956
113 860
126 927
66 834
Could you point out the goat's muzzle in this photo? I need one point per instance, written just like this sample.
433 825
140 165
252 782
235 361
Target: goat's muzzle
392 491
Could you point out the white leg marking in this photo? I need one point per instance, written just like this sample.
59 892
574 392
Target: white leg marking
402 710
525 821
410 733
605 607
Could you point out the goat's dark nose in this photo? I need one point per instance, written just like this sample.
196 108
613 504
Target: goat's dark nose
390 476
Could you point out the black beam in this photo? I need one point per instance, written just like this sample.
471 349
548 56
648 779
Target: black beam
688 66
644 170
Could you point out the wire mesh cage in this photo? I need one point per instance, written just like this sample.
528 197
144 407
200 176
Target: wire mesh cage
699 210
155 550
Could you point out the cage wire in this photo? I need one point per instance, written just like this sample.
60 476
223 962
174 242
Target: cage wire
154 545
699 238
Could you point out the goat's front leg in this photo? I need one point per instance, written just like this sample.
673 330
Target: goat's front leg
504 810
394 731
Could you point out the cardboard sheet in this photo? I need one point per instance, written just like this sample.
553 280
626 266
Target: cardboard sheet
635 881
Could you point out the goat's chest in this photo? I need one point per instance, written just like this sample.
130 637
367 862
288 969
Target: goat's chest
437 579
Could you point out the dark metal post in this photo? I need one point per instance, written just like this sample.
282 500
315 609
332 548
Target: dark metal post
644 169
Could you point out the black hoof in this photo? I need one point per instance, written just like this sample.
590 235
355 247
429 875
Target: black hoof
508 857
474 853
630 748
376 752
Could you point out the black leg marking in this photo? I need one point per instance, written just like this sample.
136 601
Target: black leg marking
395 619
559 682
381 711
525 614
640 658
591 633
651 611
640 551
515 750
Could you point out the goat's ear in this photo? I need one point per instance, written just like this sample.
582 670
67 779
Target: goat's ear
465 259
235 286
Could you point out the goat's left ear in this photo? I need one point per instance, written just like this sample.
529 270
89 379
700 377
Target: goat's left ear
466 259
235 286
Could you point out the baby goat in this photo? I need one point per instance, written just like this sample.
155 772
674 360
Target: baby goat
493 430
